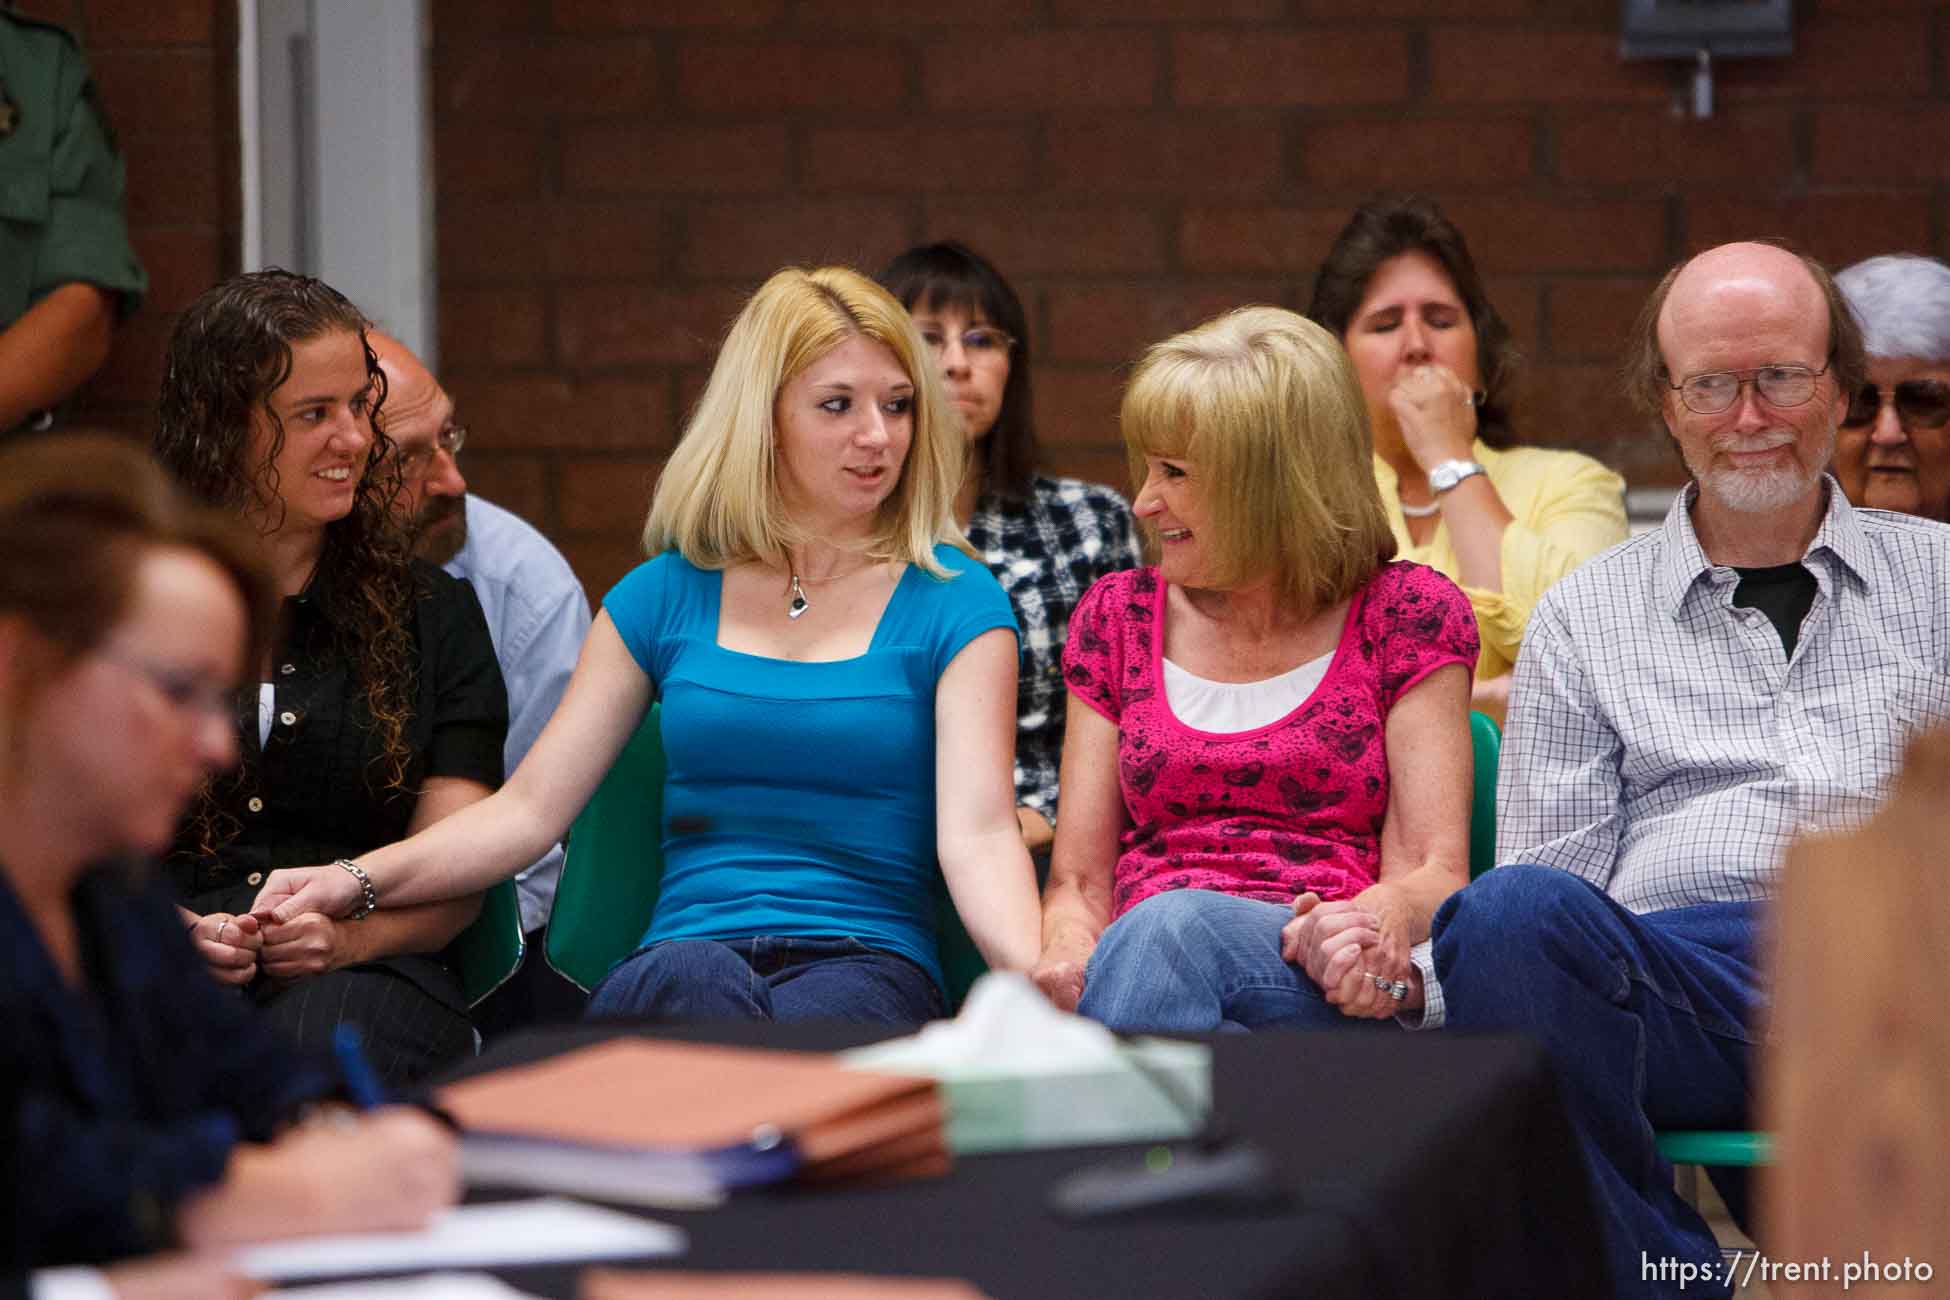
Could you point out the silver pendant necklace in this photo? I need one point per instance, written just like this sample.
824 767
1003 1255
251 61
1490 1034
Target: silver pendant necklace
797 604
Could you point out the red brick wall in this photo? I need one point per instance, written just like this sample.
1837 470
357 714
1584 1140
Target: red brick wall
168 74
614 177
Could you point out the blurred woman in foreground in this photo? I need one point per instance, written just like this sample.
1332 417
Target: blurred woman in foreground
150 1106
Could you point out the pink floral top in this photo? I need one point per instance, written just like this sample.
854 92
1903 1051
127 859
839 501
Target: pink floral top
1291 806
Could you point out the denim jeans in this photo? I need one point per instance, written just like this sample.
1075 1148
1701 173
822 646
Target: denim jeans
768 979
1646 1020
1193 960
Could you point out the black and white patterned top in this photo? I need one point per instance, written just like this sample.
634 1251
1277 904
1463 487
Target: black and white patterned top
1046 551
1663 747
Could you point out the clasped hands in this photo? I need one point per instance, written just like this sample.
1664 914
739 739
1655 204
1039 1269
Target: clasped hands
1351 949
236 947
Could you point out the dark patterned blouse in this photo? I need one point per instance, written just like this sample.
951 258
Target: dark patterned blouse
1046 551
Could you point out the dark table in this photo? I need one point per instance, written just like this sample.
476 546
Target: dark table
1420 1165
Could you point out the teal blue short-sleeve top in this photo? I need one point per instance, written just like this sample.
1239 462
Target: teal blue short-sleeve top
799 797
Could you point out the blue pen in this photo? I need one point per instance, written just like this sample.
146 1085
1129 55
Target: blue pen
361 1084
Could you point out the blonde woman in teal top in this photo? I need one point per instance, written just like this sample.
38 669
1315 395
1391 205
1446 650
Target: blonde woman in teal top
802 534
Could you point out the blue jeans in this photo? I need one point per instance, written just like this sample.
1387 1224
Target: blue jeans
768 979
1645 1018
1192 960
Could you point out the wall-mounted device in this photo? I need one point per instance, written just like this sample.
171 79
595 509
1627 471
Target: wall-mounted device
1701 31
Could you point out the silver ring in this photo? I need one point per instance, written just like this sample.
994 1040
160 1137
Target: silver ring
221 927
1396 989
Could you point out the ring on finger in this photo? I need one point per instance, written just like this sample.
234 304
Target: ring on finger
1396 989
221 927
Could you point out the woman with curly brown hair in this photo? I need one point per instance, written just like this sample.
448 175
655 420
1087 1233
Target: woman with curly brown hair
379 708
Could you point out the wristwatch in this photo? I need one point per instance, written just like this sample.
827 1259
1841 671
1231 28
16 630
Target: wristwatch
1451 472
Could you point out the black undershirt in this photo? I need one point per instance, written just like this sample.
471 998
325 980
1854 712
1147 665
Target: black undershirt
1783 592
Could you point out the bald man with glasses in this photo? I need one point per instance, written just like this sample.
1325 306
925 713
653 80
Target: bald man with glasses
1685 704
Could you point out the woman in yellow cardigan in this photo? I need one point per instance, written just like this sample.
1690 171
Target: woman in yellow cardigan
1437 366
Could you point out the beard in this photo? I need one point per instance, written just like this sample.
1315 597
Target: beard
1761 490
440 530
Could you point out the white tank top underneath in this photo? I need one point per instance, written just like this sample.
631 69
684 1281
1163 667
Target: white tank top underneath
1225 707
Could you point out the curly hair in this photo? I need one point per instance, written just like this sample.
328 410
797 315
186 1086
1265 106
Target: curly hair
229 353
1385 228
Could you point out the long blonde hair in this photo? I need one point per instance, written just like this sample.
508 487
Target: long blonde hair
1267 406
718 501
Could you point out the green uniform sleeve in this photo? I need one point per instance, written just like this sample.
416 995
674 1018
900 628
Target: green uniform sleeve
61 181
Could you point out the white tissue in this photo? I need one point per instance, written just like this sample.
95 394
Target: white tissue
1016 1072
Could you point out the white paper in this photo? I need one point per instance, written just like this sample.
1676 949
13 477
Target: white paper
549 1230
433 1286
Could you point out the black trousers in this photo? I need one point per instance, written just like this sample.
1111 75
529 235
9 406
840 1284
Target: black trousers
408 1032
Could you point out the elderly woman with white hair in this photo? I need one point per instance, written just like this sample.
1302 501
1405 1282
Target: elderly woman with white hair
1893 450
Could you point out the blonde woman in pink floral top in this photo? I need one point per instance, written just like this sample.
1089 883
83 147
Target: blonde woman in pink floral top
1266 770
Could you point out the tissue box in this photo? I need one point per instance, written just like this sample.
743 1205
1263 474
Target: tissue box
1166 1093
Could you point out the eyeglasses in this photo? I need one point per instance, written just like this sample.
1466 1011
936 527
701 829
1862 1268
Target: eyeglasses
978 342
1779 386
451 440
1920 404
187 692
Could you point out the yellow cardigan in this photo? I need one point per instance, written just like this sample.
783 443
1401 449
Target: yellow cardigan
1564 507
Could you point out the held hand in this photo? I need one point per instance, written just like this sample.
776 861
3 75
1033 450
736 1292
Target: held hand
293 891
1361 997
1059 974
1304 941
1356 986
229 945
1436 413
308 945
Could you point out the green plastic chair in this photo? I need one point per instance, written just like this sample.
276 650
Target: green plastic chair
1726 1147
613 870
488 952
1722 1147
1486 741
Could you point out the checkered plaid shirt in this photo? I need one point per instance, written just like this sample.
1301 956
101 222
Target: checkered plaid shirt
1046 551
1661 745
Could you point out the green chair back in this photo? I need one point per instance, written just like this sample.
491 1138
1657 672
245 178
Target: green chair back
614 864
488 952
1736 1147
1486 739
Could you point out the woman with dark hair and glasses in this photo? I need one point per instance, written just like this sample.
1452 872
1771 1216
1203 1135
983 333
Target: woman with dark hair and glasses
1438 369
379 708
141 1106
1045 539
1893 450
